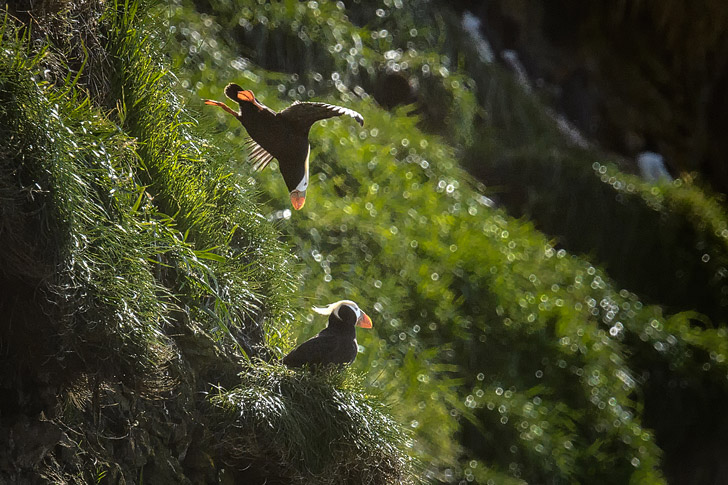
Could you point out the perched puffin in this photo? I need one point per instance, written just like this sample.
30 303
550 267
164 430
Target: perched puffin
283 136
336 344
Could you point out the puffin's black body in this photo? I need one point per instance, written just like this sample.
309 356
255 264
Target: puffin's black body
334 345
283 135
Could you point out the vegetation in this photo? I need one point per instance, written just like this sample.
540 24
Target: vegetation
468 296
141 276
321 421
162 278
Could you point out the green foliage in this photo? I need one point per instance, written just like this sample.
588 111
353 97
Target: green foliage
309 427
140 272
145 268
511 359
209 206
66 159
675 232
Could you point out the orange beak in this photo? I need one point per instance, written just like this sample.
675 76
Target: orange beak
249 97
298 198
364 321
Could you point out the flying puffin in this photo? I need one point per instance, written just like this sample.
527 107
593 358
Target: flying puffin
336 344
283 135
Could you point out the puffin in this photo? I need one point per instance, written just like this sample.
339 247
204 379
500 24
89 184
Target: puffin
282 135
336 344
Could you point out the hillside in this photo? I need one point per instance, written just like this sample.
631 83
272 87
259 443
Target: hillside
151 278
144 291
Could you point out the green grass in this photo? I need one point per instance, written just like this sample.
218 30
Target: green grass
311 427
673 233
211 207
501 134
140 273
61 160
149 274
509 357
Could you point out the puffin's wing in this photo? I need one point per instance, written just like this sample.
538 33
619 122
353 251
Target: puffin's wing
258 156
306 114
316 350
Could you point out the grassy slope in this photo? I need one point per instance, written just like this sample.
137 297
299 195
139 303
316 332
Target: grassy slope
139 282
155 272
478 315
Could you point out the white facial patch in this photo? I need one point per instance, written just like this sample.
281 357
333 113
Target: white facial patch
303 184
335 307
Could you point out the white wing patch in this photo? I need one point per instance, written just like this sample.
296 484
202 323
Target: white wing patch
308 112
258 156
340 110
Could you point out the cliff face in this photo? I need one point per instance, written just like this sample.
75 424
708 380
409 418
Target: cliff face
644 75
150 279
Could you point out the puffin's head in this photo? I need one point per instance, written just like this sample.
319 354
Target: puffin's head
240 95
348 312
232 90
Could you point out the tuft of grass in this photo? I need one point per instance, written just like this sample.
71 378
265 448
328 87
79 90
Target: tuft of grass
70 229
310 427
239 275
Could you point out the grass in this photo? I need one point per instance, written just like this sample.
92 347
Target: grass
309 427
488 332
210 207
57 190
140 272
159 278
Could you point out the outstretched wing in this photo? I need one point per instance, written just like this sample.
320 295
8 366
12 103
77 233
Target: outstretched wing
259 156
306 114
